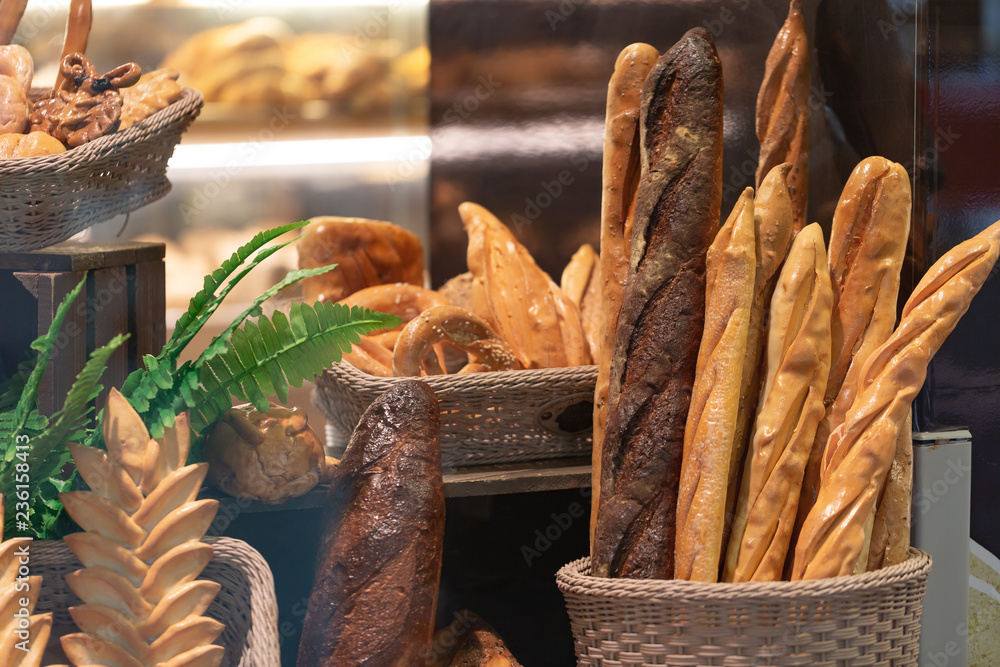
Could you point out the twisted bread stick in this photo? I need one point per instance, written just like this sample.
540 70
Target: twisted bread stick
783 110
711 419
861 450
620 179
798 362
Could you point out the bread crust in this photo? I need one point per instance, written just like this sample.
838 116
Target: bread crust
662 315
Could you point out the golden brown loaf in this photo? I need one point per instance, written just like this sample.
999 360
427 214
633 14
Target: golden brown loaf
142 549
366 252
16 145
155 90
861 450
620 178
524 307
773 236
711 419
379 565
890 538
867 243
477 644
783 110
662 313
798 363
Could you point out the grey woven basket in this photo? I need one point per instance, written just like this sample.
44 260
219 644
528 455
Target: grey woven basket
47 199
866 619
246 604
486 418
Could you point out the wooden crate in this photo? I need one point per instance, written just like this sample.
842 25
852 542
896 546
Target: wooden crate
124 294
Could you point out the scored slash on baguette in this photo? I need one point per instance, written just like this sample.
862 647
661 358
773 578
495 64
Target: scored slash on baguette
141 551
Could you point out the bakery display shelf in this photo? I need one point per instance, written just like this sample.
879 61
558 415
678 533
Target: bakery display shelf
493 480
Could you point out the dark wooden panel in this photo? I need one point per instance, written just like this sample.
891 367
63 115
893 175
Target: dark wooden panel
70 351
107 316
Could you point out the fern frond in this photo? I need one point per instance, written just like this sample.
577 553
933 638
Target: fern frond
265 357
44 345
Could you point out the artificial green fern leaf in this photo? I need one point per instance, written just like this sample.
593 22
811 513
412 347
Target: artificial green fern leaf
305 343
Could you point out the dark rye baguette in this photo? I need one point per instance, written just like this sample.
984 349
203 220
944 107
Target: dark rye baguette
379 566
662 316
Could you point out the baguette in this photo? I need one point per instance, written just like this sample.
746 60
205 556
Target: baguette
662 314
523 306
711 419
379 567
581 283
783 110
773 236
620 178
861 450
867 244
890 537
798 362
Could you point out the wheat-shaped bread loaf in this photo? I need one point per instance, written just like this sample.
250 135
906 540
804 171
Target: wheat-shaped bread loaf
798 362
662 314
711 419
141 549
523 305
783 110
773 237
620 179
868 237
23 634
861 450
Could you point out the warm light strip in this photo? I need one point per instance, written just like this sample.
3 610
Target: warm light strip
224 6
253 154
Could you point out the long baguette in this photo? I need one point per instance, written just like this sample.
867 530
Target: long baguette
773 236
662 314
798 362
711 419
867 243
861 450
890 538
620 180
783 110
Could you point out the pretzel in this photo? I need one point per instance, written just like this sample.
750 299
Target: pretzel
78 22
11 12
88 106
449 324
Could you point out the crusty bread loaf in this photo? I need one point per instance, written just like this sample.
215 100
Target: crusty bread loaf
142 548
523 305
366 252
773 235
783 110
379 565
798 363
472 643
620 178
861 450
868 239
890 537
662 314
581 283
715 399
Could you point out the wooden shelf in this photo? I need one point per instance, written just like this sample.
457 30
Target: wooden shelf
480 481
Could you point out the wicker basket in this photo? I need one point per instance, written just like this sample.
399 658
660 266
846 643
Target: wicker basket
47 199
486 418
867 619
246 604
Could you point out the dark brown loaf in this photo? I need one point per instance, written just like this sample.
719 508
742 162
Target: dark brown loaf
662 315
379 566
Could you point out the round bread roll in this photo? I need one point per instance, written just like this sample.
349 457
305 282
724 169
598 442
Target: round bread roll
17 145
366 252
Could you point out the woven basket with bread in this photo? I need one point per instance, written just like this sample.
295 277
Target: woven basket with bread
92 147
752 458
506 349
